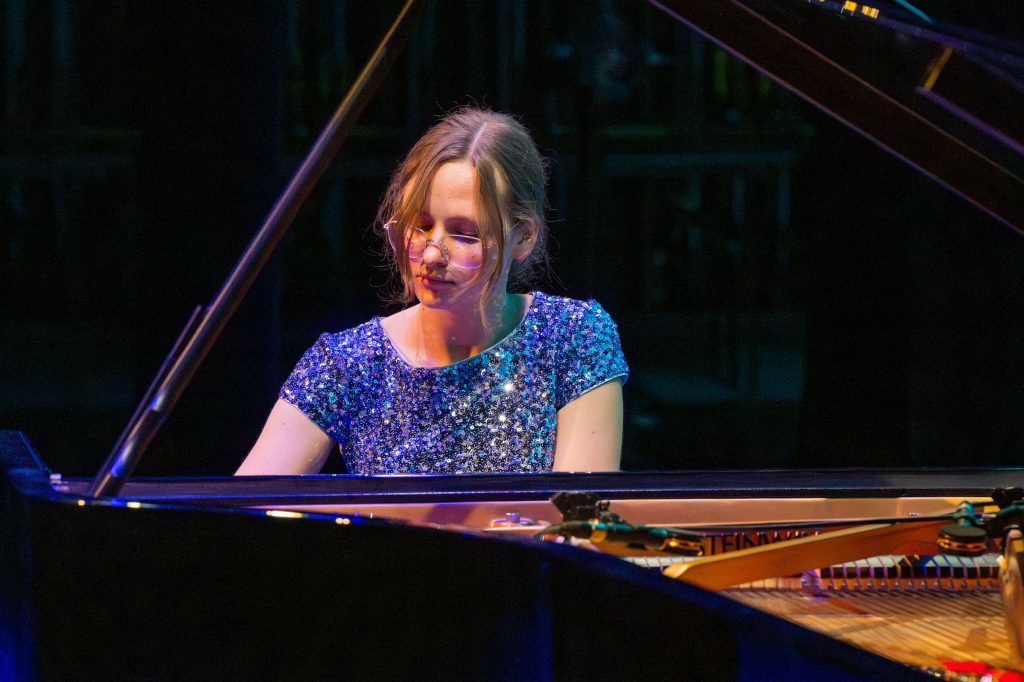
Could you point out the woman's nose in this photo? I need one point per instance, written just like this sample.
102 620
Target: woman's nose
432 252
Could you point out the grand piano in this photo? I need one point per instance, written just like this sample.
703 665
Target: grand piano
444 576
440 576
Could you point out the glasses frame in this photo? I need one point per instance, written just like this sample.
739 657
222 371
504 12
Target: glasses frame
438 243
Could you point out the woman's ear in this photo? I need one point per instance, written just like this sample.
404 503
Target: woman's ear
524 237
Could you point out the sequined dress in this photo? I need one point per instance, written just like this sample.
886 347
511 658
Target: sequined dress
495 411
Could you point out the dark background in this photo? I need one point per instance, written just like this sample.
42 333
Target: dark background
787 294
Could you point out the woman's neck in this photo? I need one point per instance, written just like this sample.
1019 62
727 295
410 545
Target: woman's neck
444 337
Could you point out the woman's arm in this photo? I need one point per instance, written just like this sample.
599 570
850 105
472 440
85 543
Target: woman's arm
589 433
289 444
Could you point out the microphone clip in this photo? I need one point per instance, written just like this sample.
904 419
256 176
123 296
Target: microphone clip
586 516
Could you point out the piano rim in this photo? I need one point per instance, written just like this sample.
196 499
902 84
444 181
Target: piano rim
437 488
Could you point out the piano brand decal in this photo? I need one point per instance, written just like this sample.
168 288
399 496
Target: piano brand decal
716 543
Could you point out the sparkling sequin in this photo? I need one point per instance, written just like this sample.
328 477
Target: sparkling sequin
495 411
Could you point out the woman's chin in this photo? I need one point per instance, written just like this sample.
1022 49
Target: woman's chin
433 295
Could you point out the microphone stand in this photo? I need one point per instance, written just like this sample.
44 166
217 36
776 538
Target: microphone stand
181 364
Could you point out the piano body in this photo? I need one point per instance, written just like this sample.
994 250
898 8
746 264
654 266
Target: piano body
437 576
427 576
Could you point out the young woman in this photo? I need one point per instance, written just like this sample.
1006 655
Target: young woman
472 378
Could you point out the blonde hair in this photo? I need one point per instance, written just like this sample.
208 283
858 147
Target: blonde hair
511 178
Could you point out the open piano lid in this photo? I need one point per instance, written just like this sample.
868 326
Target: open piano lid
943 97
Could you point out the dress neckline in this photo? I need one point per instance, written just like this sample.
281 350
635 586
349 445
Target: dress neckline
494 346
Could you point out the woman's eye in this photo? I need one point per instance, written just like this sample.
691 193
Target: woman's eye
465 239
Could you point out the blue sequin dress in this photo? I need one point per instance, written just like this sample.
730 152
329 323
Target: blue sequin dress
495 411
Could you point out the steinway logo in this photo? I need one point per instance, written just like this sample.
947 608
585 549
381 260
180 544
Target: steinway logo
729 542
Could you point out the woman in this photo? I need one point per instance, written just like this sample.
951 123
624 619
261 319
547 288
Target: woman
472 377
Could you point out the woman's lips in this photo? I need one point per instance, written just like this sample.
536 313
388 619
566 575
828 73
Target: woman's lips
432 283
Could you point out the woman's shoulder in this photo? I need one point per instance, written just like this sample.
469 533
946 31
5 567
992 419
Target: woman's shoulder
328 365
561 310
353 344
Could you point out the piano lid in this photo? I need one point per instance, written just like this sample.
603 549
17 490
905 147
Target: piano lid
943 96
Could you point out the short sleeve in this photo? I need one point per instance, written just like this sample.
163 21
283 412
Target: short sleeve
592 354
317 387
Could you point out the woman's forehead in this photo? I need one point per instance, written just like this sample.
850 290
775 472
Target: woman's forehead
454 186
419 185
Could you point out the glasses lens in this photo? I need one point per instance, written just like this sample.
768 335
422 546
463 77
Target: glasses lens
464 251
417 244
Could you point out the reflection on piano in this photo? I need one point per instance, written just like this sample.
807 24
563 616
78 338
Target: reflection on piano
419 576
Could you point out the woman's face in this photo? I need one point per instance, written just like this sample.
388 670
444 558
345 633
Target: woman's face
451 209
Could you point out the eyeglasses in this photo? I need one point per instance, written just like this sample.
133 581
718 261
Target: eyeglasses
461 251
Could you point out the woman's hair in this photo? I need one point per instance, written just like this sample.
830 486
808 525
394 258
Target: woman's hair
510 181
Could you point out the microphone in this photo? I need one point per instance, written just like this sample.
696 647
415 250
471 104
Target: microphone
668 540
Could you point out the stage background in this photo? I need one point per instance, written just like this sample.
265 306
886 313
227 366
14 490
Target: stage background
787 294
